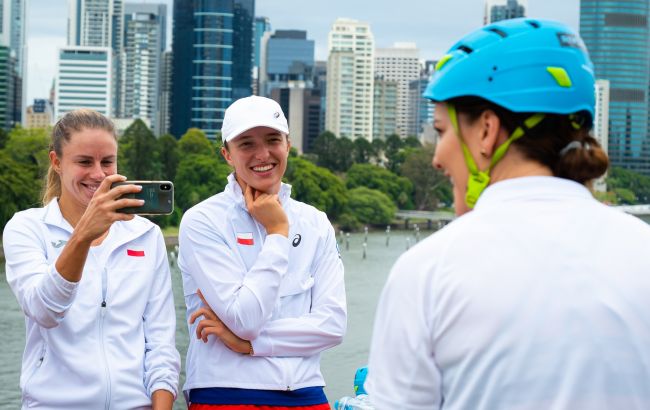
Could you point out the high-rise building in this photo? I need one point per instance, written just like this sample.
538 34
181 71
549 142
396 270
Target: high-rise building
12 35
301 105
262 26
242 56
350 79
144 43
420 108
385 111
83 80
163 118
320 84
100 23
96 23
617 36
400 63
289 57
212 61
496 10
7 88
601 124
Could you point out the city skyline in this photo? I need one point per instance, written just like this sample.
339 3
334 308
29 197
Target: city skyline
433 27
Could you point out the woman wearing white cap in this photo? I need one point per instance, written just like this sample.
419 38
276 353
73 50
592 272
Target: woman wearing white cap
264 272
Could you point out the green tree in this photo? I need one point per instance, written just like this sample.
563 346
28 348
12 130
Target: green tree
316 186
325 150
138 156
398 189
430 185
4 137
30 147
198 177
194 141
169 158
630 187
19 187
371 206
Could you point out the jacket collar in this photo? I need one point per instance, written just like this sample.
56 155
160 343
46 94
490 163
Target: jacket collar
532 188
234 191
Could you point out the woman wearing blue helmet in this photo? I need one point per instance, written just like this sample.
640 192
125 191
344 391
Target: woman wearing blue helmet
538 298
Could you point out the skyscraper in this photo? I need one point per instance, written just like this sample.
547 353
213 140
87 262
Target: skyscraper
289 57
385 107
96 23
212 61
83 80
12 36
262 26
350 79
100 23
7 88
144 43
496 10
617 36
400 63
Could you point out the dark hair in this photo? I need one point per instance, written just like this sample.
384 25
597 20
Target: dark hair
73 121
545 142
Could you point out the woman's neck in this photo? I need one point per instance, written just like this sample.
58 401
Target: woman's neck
71 211
514 165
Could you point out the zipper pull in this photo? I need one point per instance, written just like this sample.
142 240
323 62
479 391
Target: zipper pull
103 303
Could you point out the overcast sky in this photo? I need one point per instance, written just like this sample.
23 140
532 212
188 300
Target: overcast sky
433 25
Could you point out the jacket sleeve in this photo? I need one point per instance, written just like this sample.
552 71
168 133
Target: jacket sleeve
243 300
43 294
324 325
162 361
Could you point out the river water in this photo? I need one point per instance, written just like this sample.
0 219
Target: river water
364 279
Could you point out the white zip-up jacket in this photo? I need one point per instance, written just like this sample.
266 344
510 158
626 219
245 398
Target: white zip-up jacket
286 295
106 342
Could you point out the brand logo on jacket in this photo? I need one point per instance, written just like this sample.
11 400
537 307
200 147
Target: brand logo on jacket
134 252
59 243
245 238
296 240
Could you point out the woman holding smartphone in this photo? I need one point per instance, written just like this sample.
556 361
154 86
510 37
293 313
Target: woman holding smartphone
94 283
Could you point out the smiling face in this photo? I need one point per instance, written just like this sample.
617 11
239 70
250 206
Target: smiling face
259 157
86 159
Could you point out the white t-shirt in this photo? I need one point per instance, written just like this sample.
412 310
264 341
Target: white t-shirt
537 299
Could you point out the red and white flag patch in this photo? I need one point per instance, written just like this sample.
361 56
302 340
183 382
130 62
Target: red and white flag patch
133 252
245 238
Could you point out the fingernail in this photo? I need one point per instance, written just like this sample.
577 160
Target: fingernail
139 187
141 201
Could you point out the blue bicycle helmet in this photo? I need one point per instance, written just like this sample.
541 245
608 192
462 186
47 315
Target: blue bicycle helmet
523 65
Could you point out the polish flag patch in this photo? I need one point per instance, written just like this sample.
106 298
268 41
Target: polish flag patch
133 252
245 238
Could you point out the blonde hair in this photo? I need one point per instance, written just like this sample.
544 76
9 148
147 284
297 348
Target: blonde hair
73 121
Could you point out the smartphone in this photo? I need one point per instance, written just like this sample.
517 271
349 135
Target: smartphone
158 197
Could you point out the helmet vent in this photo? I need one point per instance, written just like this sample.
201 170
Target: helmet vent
533 23
498 31
466 49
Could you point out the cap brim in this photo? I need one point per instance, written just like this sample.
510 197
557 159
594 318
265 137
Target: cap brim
247 127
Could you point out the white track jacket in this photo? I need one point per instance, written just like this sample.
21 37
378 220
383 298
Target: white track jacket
106 342
285 295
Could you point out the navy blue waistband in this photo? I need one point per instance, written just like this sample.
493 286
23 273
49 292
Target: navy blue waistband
307 396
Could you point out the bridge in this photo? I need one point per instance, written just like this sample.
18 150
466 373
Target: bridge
440 218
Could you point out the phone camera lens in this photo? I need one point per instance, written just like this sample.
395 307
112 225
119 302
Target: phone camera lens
165 187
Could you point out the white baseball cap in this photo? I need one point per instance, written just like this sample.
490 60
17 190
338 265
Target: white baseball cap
251 112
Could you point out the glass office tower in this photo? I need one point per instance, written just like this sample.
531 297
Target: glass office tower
617 35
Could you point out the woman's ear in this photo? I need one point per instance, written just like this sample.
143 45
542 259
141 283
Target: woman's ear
492 135
226 155
55 162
